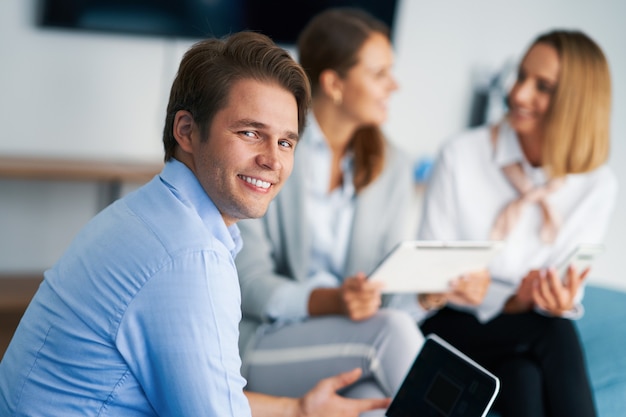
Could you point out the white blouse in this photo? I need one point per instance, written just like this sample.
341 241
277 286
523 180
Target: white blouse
329 214
467 190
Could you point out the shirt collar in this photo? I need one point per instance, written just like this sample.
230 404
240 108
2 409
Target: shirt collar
318 175
508 150
186 187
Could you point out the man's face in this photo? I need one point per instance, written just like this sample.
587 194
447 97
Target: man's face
250 149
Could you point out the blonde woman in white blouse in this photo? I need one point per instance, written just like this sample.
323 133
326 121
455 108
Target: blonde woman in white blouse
538 181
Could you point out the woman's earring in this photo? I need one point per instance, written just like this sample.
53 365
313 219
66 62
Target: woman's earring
337 99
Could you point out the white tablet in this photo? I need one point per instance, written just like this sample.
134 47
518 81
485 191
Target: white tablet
429 266
444 382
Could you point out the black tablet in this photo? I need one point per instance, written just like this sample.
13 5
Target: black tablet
444 382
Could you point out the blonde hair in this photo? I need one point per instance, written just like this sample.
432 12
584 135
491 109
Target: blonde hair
576 135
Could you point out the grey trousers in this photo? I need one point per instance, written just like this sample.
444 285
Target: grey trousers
288 360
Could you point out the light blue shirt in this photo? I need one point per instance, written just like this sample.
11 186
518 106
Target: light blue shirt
138 318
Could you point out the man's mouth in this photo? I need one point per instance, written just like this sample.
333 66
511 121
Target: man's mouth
256 181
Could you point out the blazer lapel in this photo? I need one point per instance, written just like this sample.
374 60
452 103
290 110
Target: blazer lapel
291 202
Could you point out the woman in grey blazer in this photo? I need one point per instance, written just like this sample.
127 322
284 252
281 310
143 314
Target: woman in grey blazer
308 309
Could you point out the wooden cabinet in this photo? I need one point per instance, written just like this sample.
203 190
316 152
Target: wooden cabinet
110 174
16 291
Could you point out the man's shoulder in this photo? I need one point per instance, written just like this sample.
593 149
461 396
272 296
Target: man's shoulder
156 214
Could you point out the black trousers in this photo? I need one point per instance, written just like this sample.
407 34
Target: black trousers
538 359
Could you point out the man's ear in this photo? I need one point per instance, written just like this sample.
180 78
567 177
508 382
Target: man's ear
332 85
184 126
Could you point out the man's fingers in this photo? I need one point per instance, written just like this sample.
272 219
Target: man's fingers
373 404
344 379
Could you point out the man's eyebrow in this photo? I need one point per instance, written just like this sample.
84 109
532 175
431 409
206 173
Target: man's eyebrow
248 123
292 135
243 123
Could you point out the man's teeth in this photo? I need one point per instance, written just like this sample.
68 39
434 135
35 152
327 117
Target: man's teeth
256 182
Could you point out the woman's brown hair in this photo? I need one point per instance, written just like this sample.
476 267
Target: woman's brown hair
576 135
332 40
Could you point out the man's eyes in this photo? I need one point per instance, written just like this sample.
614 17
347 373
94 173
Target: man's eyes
251 134
285 143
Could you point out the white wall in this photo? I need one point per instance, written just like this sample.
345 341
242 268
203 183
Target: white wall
104 96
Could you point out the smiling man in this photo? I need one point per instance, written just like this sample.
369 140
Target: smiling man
140 316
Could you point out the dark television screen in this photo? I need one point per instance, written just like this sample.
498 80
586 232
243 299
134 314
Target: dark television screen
282 20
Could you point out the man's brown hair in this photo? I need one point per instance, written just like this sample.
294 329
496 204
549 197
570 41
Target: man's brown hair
209 69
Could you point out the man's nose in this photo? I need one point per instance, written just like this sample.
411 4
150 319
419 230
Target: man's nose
269 157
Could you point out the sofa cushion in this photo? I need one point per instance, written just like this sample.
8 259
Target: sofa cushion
603 333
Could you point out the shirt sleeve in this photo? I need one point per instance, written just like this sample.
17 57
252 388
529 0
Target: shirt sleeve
592 217
290 301
179 336
266 293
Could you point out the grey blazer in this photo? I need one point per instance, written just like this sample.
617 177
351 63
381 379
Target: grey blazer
276 247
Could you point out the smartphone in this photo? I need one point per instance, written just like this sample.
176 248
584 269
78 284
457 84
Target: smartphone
581 258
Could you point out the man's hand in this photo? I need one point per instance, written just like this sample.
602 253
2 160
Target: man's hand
360 297
323 400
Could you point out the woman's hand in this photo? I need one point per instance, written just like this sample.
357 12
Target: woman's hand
523 299
361 298
432 301
470 289
553 295
357 298
544 289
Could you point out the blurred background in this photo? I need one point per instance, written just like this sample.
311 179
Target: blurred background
97 91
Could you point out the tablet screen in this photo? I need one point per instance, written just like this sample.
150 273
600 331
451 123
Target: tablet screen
444 382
